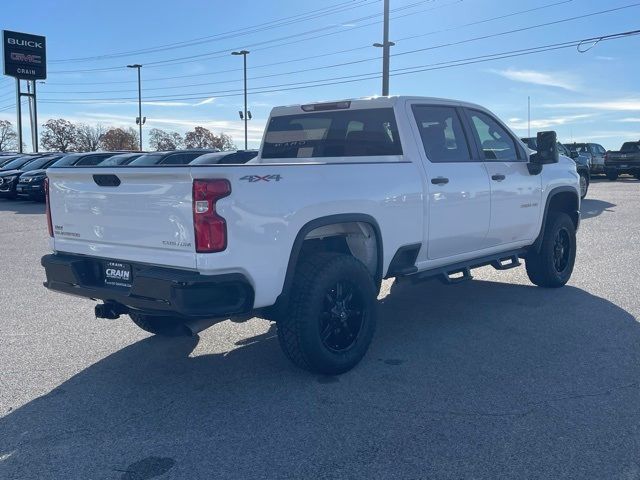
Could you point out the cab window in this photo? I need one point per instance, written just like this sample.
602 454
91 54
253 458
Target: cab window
494 141
442 134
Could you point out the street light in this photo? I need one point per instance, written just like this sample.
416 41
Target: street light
244 54
140 121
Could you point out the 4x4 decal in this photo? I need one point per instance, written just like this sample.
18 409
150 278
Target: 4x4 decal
261 178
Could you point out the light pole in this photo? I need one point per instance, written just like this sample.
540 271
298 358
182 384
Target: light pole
244 54
140 120
385 45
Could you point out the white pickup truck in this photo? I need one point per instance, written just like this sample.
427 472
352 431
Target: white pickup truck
342 195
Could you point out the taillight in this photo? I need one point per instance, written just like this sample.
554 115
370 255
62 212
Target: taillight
210 228
48 206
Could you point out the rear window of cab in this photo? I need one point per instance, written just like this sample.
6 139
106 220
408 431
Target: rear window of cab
346 133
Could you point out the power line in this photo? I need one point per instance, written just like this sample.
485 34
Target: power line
219 72
375 75
353 62
301 17
224 52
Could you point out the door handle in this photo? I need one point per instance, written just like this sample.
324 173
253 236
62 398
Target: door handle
498 177
439 181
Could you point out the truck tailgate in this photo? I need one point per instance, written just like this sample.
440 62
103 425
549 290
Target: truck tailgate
137 214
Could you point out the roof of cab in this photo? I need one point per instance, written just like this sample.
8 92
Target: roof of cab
373 102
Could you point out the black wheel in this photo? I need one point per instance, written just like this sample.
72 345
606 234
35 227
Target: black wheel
331 315
584 185
553 265
637 175
159 325
613 176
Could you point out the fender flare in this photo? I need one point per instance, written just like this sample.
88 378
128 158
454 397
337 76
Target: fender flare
323 222
554 191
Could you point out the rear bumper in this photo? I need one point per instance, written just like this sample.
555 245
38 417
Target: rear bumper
158 290
622 167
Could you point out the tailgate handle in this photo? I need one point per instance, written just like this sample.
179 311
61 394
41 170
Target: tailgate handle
106 180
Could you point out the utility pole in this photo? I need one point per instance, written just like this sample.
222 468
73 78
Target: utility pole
244 54
140 121
386 46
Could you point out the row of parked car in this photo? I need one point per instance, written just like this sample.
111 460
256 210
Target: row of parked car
592 159
23 175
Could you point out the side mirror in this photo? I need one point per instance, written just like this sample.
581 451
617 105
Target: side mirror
547 152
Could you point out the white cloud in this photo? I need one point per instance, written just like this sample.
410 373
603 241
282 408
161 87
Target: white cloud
555 79
540 123
622 105
629 120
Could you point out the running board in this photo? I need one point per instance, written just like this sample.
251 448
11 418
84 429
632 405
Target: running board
460 272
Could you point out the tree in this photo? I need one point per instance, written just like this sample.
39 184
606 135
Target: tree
161 140
8 136
88 138
59 135
201 137
119 139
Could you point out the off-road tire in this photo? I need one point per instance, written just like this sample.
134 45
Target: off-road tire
545 268
159 325
307 317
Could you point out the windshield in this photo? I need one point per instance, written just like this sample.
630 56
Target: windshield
210 158
580 147
39 163
68 160
149 159
346 133
531 142
17 163
119 160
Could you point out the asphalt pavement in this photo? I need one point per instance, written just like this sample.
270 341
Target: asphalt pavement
492 378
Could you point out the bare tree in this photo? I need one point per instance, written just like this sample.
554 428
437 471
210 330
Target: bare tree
116 139
201 137
58 135
226 142
88 138
8 136
162 140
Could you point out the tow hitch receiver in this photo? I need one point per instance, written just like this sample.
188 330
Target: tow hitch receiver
110 310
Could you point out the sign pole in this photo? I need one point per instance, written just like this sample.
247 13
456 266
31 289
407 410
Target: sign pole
34 129
19 110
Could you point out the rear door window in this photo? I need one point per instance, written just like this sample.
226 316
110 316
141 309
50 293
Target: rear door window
347 133
442 133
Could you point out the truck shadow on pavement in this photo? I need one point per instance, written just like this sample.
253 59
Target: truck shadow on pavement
21 207
477 380
590 208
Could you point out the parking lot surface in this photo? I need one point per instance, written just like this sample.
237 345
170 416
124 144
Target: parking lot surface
492 378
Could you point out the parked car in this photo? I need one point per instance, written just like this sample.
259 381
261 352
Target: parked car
226 158
9 179
31 184
341 196
120 159
173 157
581 161
582 167
626 160
19 161
594 151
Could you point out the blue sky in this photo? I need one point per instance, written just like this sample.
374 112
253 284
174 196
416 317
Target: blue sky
593 95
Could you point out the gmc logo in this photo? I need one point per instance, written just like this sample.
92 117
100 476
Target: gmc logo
24 43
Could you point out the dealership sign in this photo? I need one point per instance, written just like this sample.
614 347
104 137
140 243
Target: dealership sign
25 55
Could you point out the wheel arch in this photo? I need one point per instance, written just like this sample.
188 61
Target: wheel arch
329 221
560 199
